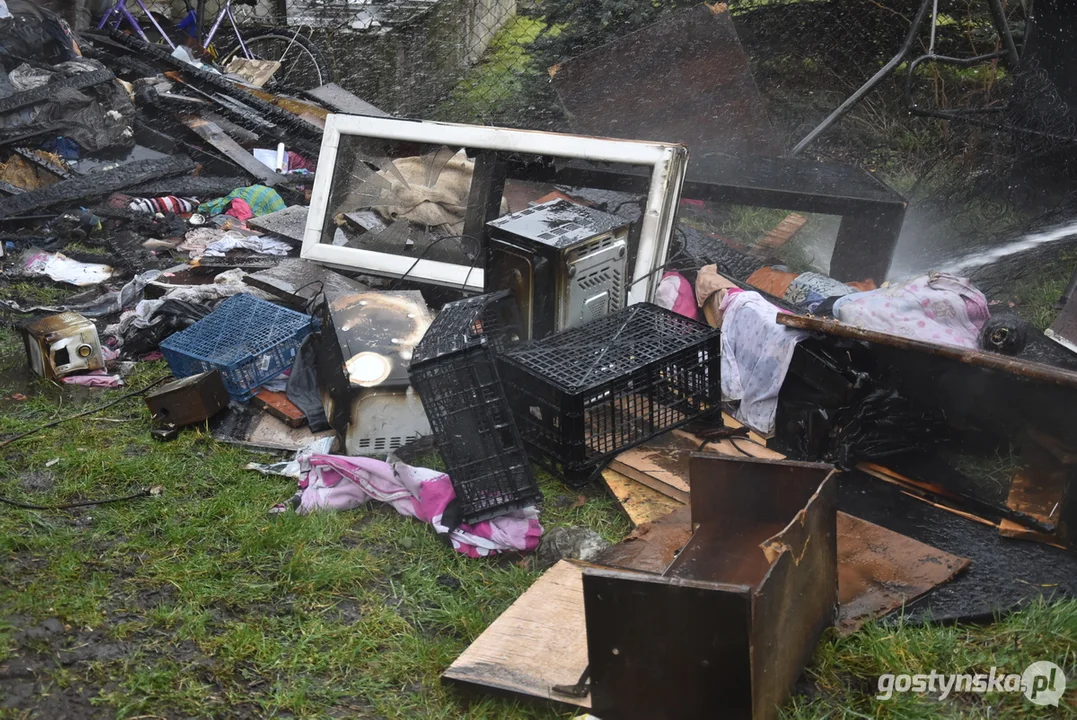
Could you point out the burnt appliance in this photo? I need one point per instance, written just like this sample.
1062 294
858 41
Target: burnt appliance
62 344
565 264
364 347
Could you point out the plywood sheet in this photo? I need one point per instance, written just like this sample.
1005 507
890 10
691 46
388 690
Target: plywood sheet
880 570
539 642
1038 489
662 463
640 503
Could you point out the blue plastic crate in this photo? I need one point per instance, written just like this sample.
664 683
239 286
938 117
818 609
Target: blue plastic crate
249 340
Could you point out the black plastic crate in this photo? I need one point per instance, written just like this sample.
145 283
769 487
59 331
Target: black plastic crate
465 323
454 371
582 396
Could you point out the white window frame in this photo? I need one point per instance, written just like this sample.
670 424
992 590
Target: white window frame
668 163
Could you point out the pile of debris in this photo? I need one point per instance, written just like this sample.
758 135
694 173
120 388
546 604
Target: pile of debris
794 450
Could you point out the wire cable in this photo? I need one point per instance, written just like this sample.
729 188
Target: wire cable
91 411
144 492
478 251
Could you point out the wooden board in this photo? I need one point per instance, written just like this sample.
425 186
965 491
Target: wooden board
1038 489
279 406
340 100
539 642
652 546
216 137
661 464
640 503
880 571
1016 531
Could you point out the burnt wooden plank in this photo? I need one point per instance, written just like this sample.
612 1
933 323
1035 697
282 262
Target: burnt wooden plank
338 99
95 184
212 133
80 81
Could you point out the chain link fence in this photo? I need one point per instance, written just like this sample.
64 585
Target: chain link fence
968 180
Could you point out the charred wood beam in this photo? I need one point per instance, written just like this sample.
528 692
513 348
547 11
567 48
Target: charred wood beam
49 91
95 185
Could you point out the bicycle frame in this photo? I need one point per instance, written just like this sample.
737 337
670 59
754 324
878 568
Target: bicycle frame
119 12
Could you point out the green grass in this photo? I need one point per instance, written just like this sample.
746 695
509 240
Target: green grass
747 225
496 81
77 247
217 609
35 293
1035 298
846 671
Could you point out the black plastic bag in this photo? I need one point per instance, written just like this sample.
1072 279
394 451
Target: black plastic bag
303 386
170 318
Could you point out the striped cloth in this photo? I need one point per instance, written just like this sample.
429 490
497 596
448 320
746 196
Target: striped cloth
263 200
164 205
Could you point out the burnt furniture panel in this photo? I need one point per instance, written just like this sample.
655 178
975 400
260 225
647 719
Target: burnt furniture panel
727 628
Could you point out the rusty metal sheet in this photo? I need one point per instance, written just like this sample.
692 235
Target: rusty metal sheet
684 79
880 570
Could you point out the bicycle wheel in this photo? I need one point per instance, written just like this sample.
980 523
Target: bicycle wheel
302 64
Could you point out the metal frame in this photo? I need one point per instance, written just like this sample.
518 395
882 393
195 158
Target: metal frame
1009 52
668 163
121 12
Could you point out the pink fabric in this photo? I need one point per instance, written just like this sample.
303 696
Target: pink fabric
939 308
337 482
94 378
298 162
240 209
676 293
